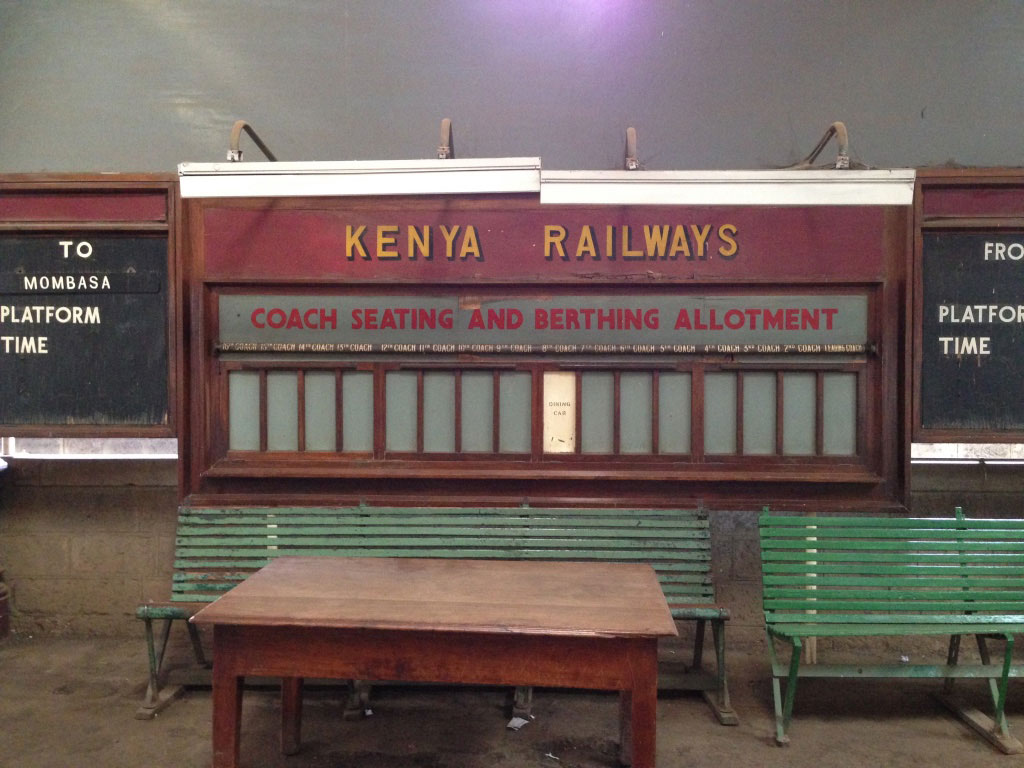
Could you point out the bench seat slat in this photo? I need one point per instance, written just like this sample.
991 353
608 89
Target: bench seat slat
839 534
980 580
790 522
928 558
962 592
774 570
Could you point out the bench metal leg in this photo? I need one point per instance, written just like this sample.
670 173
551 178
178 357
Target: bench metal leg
952 657
718 699
784 706
995 729
522 701
157 698
358 701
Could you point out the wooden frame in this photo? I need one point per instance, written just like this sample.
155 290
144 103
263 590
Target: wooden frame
875 477
104 204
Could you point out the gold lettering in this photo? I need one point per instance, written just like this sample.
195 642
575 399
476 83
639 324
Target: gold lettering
387 236
449 236
656 240
554 239
628 253
679 243
354 242
419 241
701 234
726 234
470 245
586 246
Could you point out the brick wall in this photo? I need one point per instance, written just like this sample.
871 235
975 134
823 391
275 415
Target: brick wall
82 542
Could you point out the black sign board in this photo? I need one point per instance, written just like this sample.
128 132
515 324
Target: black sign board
83 329
972 332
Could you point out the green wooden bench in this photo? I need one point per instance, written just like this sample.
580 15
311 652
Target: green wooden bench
871 577
217 548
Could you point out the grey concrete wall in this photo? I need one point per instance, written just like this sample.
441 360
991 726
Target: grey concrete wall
147 84
83 542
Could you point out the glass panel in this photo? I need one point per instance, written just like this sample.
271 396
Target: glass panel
321 410
636 412
515 404
759 413
720 413
798 407
839 393
559 411
477 412
400 411
243 411
674 412
597 420
439 412
357 411
282 411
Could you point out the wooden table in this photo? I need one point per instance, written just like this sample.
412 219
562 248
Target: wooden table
492 622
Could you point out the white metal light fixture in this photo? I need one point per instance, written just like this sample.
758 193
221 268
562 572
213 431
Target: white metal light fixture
388 177
778 187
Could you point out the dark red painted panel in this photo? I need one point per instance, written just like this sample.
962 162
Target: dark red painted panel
965 201
43 206
647 244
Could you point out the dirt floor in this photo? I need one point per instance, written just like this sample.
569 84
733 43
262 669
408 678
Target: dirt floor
71 702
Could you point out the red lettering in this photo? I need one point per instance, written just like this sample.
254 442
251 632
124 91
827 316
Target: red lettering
773 320
276 318
683 320
792 319
259 312
476 319
329 317
540 318
734 319
651 319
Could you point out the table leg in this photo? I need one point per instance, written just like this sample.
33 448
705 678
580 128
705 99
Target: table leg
626 727
227 717
638 710
291 715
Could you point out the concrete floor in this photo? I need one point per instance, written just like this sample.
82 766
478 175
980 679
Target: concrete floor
71 702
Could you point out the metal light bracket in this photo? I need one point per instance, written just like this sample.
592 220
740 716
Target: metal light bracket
234 153
446 149
631 163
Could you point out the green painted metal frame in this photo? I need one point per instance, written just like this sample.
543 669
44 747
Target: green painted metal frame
873 576
217 548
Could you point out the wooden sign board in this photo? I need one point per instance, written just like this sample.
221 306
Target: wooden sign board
969 321
86 288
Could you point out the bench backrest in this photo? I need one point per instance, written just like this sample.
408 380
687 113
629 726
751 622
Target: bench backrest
891 565
218 547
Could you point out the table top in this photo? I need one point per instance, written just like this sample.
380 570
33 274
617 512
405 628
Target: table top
493 596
